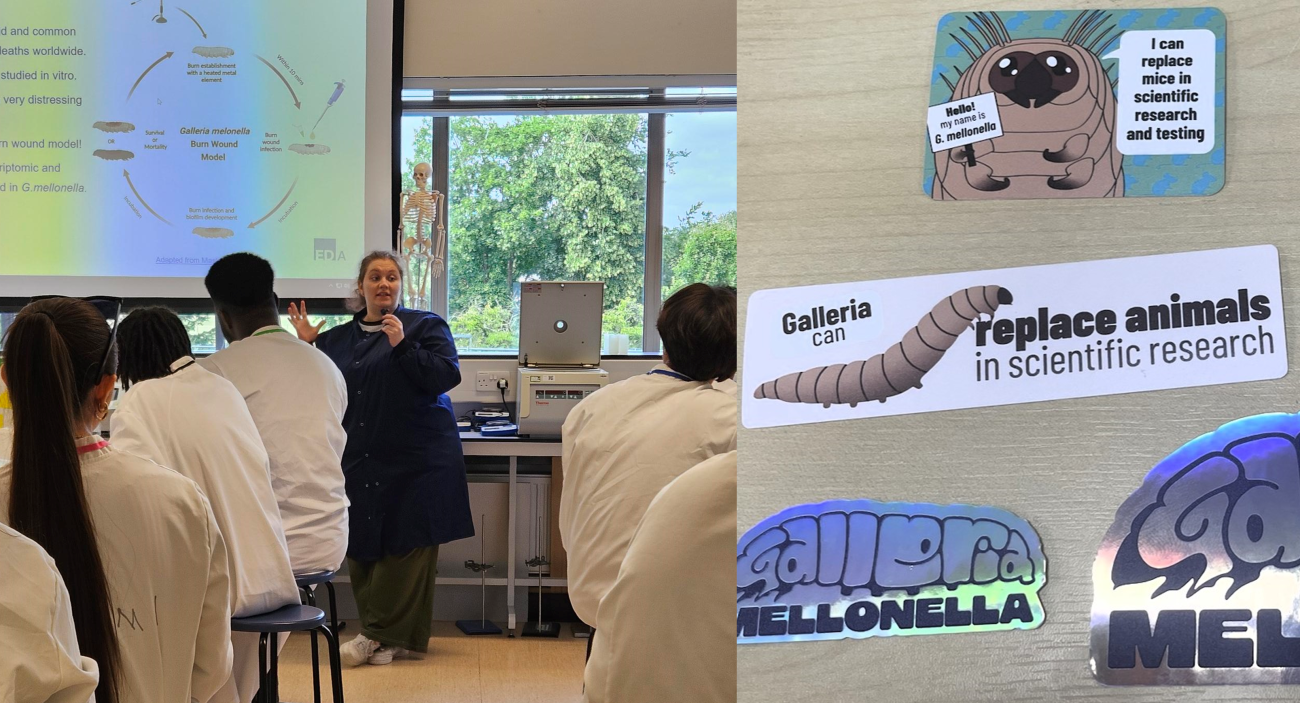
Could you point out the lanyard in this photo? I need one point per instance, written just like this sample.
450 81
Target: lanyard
671 374
277 329
92 447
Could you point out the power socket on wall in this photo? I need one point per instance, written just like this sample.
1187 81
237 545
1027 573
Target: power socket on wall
486 381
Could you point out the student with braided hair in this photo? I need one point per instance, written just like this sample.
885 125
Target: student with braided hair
182 416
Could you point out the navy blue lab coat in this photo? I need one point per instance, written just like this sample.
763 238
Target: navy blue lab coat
403 466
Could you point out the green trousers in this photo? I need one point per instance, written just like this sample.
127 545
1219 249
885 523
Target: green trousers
395 598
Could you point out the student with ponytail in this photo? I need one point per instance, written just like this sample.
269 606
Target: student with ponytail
137 544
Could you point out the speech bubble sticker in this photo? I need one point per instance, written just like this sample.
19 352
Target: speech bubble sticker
861 568
1165 92
1198 579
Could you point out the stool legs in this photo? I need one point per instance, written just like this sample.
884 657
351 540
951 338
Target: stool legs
263 674
334 613
275 669
336 664
315 652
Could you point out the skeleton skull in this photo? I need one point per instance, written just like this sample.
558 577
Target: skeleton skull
421 175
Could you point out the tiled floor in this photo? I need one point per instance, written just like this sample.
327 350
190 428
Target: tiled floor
457 669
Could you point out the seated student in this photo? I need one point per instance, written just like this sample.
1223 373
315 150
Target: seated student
181 416
665 625
121 529
628 440
297 397
40 661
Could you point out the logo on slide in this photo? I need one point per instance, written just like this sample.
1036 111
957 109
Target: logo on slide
326 250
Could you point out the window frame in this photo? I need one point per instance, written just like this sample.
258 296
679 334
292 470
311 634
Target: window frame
9 307
655 96
443 98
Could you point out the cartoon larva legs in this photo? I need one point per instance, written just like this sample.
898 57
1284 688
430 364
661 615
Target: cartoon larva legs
901 366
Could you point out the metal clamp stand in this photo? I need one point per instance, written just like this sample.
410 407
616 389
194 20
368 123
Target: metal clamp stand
481 626
539 628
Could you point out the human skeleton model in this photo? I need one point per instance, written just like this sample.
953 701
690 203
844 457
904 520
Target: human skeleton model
422 249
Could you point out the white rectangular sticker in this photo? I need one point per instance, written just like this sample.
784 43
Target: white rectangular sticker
1166 92
963 122
1021 335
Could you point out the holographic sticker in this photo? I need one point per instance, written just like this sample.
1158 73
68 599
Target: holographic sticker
1198 579
860 568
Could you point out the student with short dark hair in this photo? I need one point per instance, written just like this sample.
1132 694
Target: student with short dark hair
625 442
184 417
697 326
297 398
121 529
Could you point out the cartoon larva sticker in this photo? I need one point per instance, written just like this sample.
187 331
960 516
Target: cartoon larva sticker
900 367
1057 108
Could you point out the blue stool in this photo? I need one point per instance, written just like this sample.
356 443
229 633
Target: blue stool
305 582
290 618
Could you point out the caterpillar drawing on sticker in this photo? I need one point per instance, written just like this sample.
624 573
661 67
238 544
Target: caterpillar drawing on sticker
1057 108
900 367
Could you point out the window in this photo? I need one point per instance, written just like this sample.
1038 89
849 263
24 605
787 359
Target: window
542 189
544 198
699 200
331 321
202 328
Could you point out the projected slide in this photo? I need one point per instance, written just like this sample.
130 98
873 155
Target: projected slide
149 138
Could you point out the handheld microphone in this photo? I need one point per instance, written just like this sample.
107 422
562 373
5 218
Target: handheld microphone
384 312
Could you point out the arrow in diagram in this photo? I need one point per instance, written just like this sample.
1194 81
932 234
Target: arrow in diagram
277 205
127 175
296 104
196 22
164 57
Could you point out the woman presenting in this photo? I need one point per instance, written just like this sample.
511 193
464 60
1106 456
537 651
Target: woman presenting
403 466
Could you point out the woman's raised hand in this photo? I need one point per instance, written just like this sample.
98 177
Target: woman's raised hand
298 316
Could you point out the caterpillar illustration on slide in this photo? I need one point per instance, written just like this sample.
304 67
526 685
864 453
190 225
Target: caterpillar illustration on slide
900 367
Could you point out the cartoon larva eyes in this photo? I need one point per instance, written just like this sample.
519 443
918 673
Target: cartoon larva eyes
1034 80
1008 66
1059 64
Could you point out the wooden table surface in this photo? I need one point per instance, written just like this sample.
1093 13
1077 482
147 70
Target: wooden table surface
831 127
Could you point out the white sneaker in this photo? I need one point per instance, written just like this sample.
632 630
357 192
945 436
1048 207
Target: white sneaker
358 651
386 655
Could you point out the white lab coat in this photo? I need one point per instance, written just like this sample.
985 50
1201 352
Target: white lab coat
622 445
196 423
39 658
665 626
297 397
165 562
